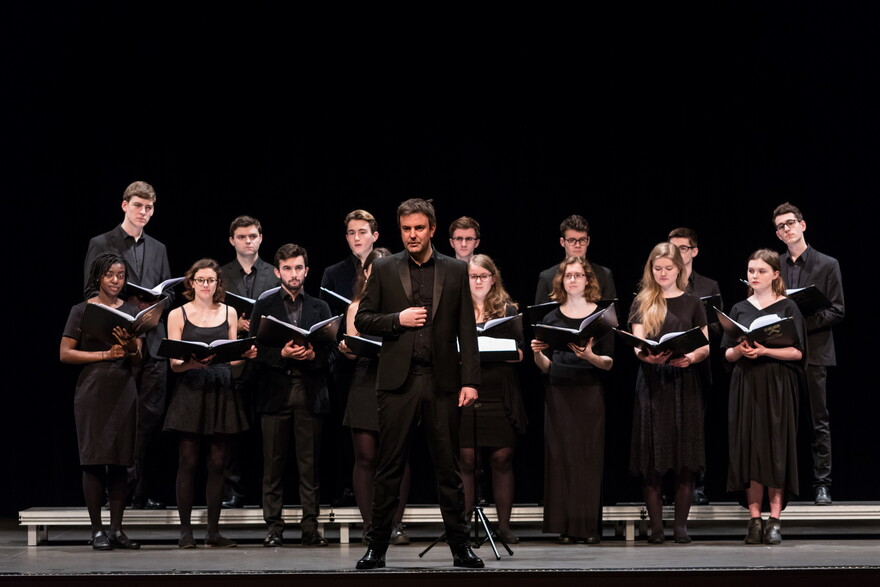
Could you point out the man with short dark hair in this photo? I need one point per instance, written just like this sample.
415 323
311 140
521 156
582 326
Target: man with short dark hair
574 239
419 302
802 266
148 266
249 276
464 237
688 245
292 397
686 241
361 231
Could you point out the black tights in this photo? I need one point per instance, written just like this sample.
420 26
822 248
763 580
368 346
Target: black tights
501 461
95 479
189 448
366 448
684 496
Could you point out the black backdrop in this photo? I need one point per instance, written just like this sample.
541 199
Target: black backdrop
639 119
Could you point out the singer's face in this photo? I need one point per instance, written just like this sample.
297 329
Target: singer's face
416 233
292 273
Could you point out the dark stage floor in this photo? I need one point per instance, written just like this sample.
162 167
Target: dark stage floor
815 551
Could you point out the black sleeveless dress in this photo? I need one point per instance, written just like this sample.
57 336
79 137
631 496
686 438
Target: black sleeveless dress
205 401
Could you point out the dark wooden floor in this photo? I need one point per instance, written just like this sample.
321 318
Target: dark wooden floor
811 553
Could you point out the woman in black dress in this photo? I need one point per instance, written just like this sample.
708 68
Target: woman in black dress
574 413
361 415
105 404
667 431
501 413
763 402
205 404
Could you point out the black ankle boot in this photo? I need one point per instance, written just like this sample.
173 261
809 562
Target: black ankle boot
772 534
756 531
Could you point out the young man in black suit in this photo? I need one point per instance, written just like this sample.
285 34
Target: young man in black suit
419 302
464 237
688 245
802 265
574 239
249 276
292 397
147 262
361 231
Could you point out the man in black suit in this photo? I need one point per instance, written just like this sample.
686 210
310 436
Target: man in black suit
464 237
686 241
419 302
249 276
361 231
148 266
803 265
688 245
574 239
292 397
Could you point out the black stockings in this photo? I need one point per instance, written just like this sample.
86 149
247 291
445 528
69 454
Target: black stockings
95 479
684 496
366 447
189 448
501 461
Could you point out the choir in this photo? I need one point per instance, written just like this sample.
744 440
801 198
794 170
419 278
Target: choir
397 316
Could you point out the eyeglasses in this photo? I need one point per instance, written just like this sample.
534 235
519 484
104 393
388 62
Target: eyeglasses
789 223
482 277
464 239
685 248
577 241
575 276
205 280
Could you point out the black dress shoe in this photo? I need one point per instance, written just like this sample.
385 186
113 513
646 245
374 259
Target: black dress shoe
823 496
373 559
565 539
100 541
220 542
147 503
234 501
657 537
273 540
463 556
700 497
313 539
593 540
120 541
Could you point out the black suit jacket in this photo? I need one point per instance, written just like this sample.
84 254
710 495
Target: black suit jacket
155 269
389 291
234 281
701 286
603 277
823 272
341 277
274 372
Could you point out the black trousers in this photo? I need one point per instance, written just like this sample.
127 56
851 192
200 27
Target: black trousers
298 420
399 412
816 378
